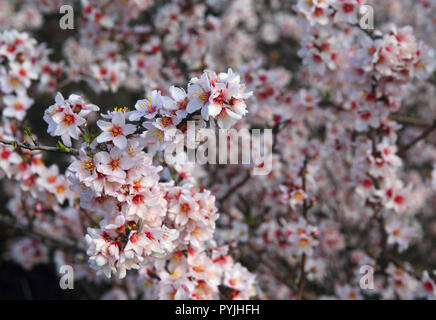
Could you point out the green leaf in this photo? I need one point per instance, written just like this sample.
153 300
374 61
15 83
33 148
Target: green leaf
249 220
85 137
62 147
91 135
28 132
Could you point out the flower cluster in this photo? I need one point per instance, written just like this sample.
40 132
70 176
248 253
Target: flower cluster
65 117
142 221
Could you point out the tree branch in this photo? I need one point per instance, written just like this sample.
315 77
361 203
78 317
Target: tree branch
41 236
235 187
27 146
305 210
302 277
422 136
410 121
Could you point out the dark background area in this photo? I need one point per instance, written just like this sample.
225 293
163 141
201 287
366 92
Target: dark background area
40 283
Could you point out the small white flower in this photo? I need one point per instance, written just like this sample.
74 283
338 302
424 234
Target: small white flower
114 164
115 131
67 125
147 108
17 105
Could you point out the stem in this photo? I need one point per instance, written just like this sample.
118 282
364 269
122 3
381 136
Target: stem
422 136
371 33
302 277
410 121
303 258
381 259
235 187
38 147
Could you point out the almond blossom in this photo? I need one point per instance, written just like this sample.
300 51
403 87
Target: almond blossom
116 130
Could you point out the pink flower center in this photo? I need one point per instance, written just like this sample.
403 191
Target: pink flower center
114 163
182 104
185 207
365 115
220 99
116 130
167 121
69 119
18 106
5 154
399 199
103 71
22 72
428 286
318 12
348 8
317 58
138 199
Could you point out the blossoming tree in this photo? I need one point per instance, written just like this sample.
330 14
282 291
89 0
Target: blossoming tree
353 177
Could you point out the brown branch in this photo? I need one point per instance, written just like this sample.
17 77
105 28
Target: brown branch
373 34
381 259
424 135
410 121
305 210
276 130
235 187
41 236
302 277
27 146
281 274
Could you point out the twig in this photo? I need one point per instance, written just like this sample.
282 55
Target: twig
302 277
381 259
279 273
276 130
39 147
44 237
422 136
235 187
26 289
371 33
410 121
305 210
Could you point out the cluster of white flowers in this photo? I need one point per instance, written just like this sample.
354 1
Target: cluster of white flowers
293 238
142 221
17 70
65 117
28 252
200 276
26 17
324 12
220 97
